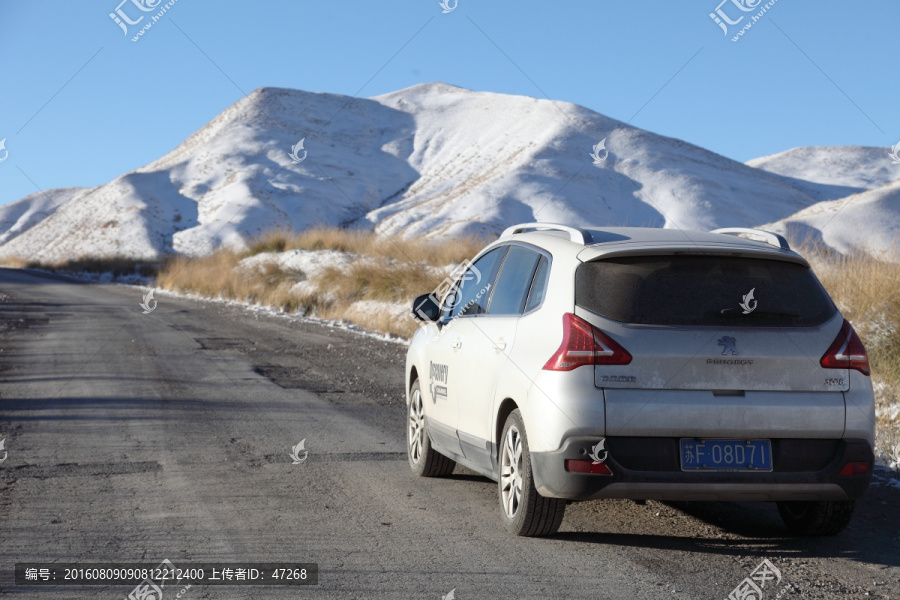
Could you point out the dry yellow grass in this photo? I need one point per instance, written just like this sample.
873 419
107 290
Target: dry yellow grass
15 262
368 243
378 280
217 276
375 280
866 290
388 271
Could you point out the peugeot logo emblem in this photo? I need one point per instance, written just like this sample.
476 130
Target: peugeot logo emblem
729 345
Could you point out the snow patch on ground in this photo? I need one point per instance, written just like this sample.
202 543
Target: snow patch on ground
890 412
310 263
307 262
888 476
397 310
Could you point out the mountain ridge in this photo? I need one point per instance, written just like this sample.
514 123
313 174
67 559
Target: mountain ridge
430 160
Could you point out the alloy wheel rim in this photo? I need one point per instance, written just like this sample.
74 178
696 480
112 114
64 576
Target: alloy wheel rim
416 427
511 472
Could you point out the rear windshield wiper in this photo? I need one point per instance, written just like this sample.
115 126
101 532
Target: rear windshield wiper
731 313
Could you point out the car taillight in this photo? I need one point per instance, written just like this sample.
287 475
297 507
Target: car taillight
846 351
591 467
584 344
855 468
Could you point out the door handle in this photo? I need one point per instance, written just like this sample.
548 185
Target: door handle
500 345
457 344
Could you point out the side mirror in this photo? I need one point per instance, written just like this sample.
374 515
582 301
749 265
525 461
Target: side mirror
426 308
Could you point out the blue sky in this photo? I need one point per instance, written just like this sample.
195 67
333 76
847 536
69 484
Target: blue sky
81 103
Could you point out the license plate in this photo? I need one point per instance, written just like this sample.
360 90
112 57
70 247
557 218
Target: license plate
726 455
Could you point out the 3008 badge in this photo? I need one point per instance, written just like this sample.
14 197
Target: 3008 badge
617 379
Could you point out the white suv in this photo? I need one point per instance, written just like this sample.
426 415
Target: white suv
570 364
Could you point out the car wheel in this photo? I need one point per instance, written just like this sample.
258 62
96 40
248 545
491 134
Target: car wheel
815 518
523 510
424 460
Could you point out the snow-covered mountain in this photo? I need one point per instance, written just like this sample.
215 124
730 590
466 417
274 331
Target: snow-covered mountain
430 160
869 221
484 161
831 172
18 217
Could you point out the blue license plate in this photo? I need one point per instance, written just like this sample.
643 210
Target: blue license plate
726 455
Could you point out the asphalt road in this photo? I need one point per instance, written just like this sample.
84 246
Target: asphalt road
138 437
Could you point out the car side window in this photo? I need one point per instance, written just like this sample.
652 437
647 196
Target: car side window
539 284
513 282
472 290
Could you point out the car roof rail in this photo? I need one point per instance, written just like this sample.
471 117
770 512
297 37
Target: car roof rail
773 239
579 236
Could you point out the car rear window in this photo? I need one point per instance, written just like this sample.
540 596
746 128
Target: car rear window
513 282
539 285
702 290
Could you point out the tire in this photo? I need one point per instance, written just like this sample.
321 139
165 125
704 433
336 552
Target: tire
524 512
424 460
816 518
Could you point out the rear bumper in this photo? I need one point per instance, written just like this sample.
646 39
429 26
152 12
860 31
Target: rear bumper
649 469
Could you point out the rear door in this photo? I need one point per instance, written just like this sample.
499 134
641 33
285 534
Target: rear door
488 339
721 346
